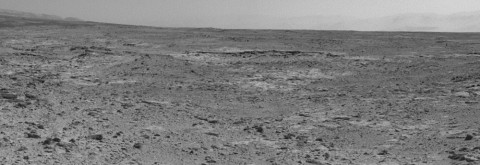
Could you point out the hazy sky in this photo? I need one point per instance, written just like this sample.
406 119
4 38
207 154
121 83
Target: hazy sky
191 12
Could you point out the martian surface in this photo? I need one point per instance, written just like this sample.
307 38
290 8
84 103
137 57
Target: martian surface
96 93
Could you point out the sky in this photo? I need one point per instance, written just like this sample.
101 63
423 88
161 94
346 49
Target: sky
193 13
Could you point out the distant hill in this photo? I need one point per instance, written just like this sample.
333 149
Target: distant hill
10 18
427 22
459 22
21 14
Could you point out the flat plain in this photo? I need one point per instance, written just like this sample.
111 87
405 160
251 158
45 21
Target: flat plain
94 93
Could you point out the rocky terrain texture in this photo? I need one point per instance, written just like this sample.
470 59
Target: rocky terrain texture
90 93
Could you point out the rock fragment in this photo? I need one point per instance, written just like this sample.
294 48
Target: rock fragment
316 162
32 135
209 159
5 94
30 96
341 118
469 137
96 137
462 94
472 158
463 157
212 134
137 145
383 152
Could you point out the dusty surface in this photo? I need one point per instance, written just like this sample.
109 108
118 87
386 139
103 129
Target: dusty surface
113 94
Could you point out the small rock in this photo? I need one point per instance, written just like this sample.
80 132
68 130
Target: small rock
47 141
137 145
212 134
40 126
332 55
317 162
56 140
465 157
471 158
32 135
383 152
469 137
455 156
289 136
8 96
209 159
462 94
341 118
67 147
30 96
96 137
322 148
22 148
21 105
257 128
212 121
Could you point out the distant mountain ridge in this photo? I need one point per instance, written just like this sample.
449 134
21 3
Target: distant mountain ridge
14 13
426 22
459 22
430 22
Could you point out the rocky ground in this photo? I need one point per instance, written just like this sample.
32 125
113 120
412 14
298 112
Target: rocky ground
114 94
